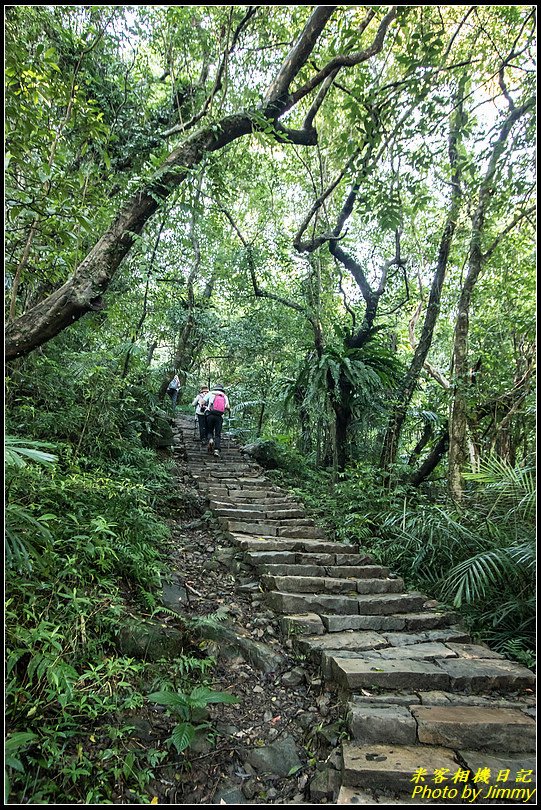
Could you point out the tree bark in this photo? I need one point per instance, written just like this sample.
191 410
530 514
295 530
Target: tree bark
432 460
458 422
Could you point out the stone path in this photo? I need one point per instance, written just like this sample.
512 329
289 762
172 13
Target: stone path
428 711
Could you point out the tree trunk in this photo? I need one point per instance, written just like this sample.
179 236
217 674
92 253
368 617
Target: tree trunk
458 421
398 415
432 460
342 422
83 292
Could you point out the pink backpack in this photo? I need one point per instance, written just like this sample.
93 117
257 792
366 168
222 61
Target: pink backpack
218 403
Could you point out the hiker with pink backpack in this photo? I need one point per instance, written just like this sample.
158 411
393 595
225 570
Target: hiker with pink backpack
217 404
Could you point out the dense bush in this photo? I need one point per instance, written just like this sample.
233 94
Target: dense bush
86 538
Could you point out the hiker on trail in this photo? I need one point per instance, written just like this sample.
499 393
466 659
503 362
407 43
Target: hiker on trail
172 389
201 413
217 403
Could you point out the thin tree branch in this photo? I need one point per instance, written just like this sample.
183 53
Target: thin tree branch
218 82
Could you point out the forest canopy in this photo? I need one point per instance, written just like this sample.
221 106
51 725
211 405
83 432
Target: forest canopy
329 210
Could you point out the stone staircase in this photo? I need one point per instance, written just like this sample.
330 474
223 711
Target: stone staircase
428 712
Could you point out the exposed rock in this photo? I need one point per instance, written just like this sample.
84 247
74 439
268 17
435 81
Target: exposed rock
150 640
280 757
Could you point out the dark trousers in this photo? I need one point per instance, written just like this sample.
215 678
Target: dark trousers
202 419
214 428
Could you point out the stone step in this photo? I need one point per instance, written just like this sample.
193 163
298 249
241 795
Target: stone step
303 584
381 725
486 675
430 651
338 571
279 529
475 727
399 621
525 702
310 603
452 674
384 604
391 768
225 479
354 674
242 486
297 559
493 766
253 543
446 634
298 623
245 495
353 617
253 499
314 646
268 515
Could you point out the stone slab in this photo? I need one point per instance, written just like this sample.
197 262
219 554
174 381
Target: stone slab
480 675
348 795
380 586
359 571
383 725
302 623
385 698
391 768
474 651
429 620
334 624
424 651
499 764
341 641
406 674
474 727
438 634
309 603
384 604
290 569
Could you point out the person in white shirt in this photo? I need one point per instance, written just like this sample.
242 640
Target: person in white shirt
201 413
173 389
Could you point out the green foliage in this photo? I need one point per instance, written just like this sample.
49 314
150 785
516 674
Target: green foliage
86 539
25 534
184 706
90 92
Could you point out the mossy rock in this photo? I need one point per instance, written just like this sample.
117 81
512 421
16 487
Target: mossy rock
265 452
150 640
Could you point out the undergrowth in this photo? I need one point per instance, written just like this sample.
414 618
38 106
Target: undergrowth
86 512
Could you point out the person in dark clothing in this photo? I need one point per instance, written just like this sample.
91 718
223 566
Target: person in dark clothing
217 403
